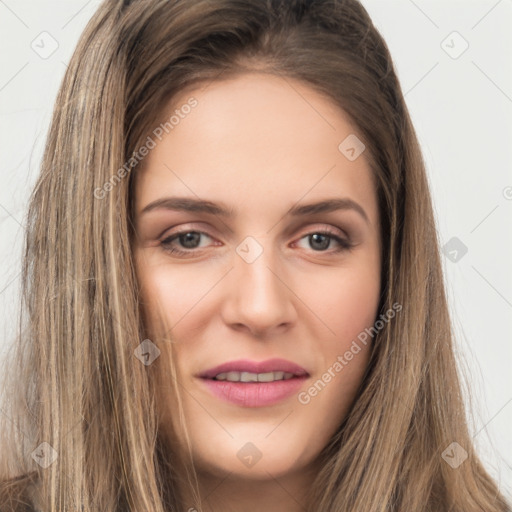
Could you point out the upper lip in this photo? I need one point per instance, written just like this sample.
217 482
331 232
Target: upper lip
245 365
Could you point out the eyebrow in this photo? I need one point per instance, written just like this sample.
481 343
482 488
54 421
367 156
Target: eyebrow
202 206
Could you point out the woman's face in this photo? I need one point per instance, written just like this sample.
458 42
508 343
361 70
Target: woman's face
267 293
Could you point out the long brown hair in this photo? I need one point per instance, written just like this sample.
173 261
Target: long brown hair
73 381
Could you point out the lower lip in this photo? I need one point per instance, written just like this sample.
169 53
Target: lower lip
254 394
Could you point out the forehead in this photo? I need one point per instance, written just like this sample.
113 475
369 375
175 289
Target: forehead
254 140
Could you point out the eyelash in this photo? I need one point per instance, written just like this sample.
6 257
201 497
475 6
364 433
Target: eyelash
344 245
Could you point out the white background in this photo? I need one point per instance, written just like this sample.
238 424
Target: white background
461 108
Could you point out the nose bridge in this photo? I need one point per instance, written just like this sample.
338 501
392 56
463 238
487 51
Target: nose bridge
255 259
259 298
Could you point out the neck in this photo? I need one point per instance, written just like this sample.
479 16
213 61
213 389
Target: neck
232 493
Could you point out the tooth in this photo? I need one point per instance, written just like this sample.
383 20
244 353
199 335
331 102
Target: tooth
266 377
254 377
248 377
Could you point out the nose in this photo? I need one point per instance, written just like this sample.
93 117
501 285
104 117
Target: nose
258 299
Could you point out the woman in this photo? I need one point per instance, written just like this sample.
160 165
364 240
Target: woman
234 297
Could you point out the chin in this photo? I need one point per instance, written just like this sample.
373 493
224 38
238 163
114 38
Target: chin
255 458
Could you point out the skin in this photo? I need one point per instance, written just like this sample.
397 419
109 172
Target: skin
260 145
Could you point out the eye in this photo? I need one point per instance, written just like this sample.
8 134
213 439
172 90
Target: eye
190 240
320 241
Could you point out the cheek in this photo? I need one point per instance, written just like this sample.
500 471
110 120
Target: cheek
346 301
170 294
356 302
347 304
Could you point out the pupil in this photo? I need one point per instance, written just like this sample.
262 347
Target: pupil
314 238
189 238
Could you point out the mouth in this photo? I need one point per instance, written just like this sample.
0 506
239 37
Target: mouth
254 377
248 383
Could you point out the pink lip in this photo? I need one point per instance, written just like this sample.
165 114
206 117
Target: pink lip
255 394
